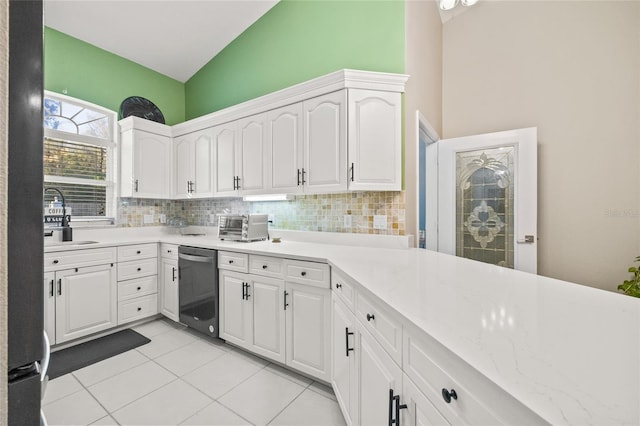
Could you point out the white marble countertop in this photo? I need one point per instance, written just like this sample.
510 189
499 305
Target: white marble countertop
570 353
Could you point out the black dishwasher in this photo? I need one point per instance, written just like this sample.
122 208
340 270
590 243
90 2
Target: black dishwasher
198 289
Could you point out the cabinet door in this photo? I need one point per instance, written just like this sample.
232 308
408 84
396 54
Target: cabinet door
308 329
235 309
376 375
284 136
268 319
343 357
226 170
153 165
375 141
169 303
420 411
183 156
86 301
202 185
253 154
50 306
325 143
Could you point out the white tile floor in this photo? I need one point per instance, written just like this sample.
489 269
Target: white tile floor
180 378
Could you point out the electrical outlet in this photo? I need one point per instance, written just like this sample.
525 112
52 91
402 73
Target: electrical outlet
148 218
163 218
347 221
380 221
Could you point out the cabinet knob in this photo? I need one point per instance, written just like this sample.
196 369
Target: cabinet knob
139 288
448 395
303 273
264 266
168 251
231 261
56 261
139 269
370 317
338 285
138 252
139 308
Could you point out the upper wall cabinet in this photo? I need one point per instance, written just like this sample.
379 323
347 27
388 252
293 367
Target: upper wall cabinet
375 141
193 165
338 132
146 160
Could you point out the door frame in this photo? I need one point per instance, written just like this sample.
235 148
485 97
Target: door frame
430 135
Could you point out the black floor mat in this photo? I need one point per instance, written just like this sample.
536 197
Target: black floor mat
87 353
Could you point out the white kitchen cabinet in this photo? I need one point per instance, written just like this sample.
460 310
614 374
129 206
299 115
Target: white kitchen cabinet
375 140
420 411
86 301
253 155
378 380
226 160
137 281
193 165
235 309
285 137
308 320
343 357
50 306
146 159
325 143
252 313
169 290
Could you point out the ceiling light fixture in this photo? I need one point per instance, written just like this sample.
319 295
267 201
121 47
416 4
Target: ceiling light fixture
450 4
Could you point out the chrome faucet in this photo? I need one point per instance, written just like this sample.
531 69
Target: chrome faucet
67 231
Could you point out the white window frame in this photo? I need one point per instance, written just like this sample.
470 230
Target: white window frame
111 182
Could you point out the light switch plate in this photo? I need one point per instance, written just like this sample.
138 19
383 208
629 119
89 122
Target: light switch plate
380 221
148 218
348 223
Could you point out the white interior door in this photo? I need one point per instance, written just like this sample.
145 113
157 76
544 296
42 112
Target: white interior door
487 198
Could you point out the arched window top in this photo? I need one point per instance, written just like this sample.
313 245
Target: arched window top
61 114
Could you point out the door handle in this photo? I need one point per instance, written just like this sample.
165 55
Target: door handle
59 286
298 177
346 340
352 170
51 288
285 300
528 239
136 185
303 173
173 273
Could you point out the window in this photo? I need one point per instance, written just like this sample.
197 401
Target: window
79 156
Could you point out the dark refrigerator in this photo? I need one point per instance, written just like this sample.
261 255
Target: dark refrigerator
24 213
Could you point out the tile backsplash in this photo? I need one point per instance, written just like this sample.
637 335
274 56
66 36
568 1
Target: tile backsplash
323 212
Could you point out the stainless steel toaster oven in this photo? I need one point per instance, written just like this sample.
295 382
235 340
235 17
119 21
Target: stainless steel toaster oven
245 227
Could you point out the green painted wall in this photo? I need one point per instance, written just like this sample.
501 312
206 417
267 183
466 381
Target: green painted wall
87 72
296 41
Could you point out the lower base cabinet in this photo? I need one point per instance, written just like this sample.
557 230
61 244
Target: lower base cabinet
420 411
343 358
283 321
86 301
169 292
378 383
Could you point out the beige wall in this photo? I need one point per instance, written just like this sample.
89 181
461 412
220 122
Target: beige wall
4 90
573 70
423 53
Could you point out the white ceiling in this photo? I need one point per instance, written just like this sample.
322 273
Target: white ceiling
173 37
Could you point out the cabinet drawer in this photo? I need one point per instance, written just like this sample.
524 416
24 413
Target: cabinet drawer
169 251
267 266
76 258
138 287
134 309
382 323
137 251
312 273
233 261
137 269
432 367
344 289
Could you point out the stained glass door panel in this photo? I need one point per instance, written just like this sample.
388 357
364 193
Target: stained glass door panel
487 198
